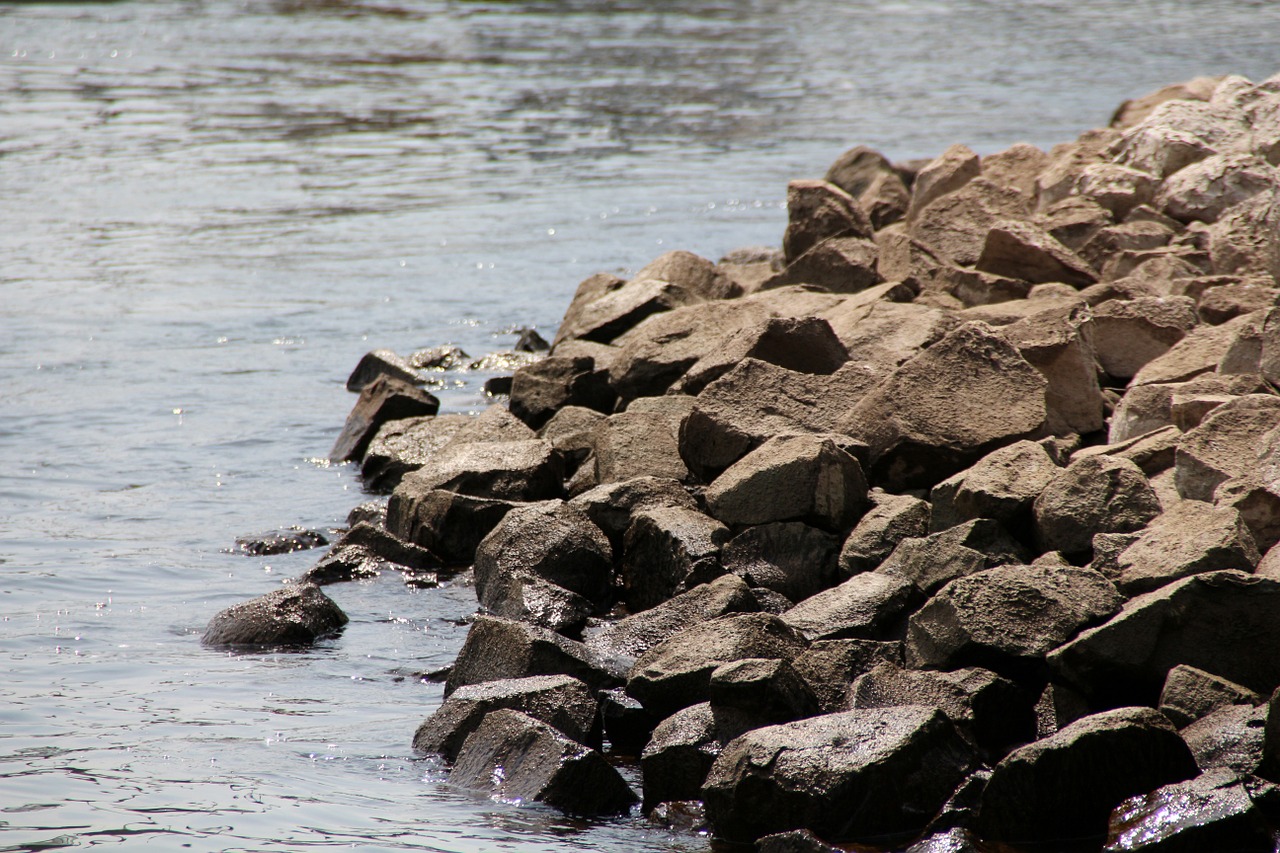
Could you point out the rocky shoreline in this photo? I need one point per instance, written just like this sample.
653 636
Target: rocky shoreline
948 526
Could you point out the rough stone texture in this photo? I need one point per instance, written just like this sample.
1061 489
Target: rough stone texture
1211 812
384 399
636 444
1230 300
1066 163
930 563
1059 342
816 211
1064 787
676 673
791 477
1153 452
1218 621
1177 134
1002 485
1224 445
1073 220
859 775
1244 239
954 168
948 407
1007 619
1021 250
788 557
497 649
381 362
1094 494
528 597
863 606
1190 694
1258 502
1117 189
1145 408
505 470
765 691
406 445
1131 333
1134 110
446 523
857 169
515 758
1232 737
1190 538
955 226
606 307
557 700
678 756
891 519
612 506
668 550
1205 190
538 390
802 344
294 615
570 432
283 541
829 667
1017 167
882 335
1198 352
1129 236
838 264
634 635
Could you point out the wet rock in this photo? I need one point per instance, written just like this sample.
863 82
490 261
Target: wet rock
1007 619
676 673
859 775
764 690
634 635
816 211
1224 445
446 523
955 840
557 700
1190 538
517 758
1094 494
1002 486
384 399
1063 788
1232 738
1059 342
378 541
1211 812
789 557
805 345
530 341
613 506
1127 658
864 606
540 389
794 841
284 541
667 551
445 357
829 667
637 444
791 477
294 615
505 470
497 649
343 563
954 168
891 519
1190 693
1021 250
675 762
381 362
627 725
947 407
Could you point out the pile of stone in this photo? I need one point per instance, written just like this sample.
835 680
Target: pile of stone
952 522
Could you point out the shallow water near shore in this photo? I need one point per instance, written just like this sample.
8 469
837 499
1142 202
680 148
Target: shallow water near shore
212 209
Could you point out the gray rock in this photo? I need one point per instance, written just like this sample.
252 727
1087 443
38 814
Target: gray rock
557 700
1190 538
864 606
505 470
1224 445
1096 494
669 550
637 444
570 432
1199 351
1190 693
613 506
384 399
497 649
1058 707
1232 737
1211 812
1258 502
527 597
891 519
446 523
381 362
873 775
932 561
293 615
764 690
1063 788
1002 486
284 541
675 762
540 389
515 757
788 557
405 445
829 667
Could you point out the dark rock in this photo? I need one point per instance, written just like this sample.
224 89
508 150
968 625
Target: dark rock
383 400
446 523
1152 452
1211 812
956 840
378 541
627 725
1217 621
1002 486
1190 693
766 690
517 758
891 519
669 550
498 386
864 606
1232 737
570 431
407 445
540 389
381 362
284 541
1190 538
771 601
293 615
605 307
343 563
1058 707
497 649
637 444
872 775
1097 494
802 344
856 170
557 700
676 673
829 667
788 557
1063 788
372 512
683 816
531 341
816 211
505 470
613 506
1007 619
677 758
527 597
446 357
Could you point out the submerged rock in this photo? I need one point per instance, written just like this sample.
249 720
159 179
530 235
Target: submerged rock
294 615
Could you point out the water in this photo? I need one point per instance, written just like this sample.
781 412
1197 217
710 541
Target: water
212 209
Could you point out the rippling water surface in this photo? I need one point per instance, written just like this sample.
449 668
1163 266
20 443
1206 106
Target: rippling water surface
212 209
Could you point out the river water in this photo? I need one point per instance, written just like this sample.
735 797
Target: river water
211 209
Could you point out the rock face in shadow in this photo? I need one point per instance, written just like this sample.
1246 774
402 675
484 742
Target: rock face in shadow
294 615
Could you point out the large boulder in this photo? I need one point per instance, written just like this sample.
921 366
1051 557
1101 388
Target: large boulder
802 344
497 649
678 756
1002 485
1231 737
891 519
613 506
447 523
829 667
871 775
1225 444
837 264
955 225
1021 250
507 470
669 550
1059 342
293 615
1190 538
405 445
1199 351
1062 789
382 400
790 557
865 606
540 389
636 444
381 362
816 211
514 757
1214 811
1094 494
1178 133
1128 334
760 692
1190 694
1205 190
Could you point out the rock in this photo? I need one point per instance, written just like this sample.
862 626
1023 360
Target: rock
955 226
517 758
816 211
1002 485
948 407
930 563
857 169
1016 167
1059 342
956 840
791 477
805 345
382 544
1232 737
1063 788
1258 503
1134 110
605 307
829 667
1067 160
627 725
1255 348
1198 352
675 762
697 274
954 168
1224 445
838 264
1129 236
1190 693
1127 658
1211 812
1152 452
1094 494
789 557
886 200
883 335
540 389
1058 707
1117 189
1021 250
637 444
1074 220
1205 190
505 470
612 506
446 523
864 606
668 551
795 841
634 635
556 700
530 341
1131 333
891 519
570 432
1190 538
294 615
344 563
1229 300
1244 241
1008 618
676 673
381 362
1145 408
496 649
384 399
405 445
873 775
1176 134
527 597
284 541
764 690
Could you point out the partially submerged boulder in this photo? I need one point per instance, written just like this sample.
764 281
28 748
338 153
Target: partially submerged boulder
294 615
